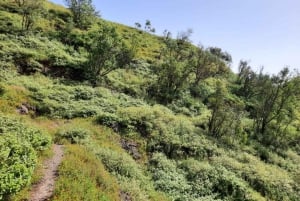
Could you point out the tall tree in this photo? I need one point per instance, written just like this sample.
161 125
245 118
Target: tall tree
173 68
225 56
226 113
271 102
246 79
30 9
207 64
270 99
107 52
83 12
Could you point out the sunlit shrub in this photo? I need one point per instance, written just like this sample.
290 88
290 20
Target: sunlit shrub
18 154
72 135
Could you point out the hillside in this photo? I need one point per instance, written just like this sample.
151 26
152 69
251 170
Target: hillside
141 117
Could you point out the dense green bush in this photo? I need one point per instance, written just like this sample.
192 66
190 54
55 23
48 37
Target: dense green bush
176 136
120 163
9 22
112 121
72 135
18 154
39 54
130 175
17 161
194 180
54 99
207 180
261 177
37 139
168 178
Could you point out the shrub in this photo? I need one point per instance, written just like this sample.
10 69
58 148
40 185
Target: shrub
18 147
37 139
168 178
176 136
260 176
120 164
39 54
111 120
130 175
210 180
17 161
72 135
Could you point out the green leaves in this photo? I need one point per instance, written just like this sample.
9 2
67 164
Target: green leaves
107 52
18 148
83 12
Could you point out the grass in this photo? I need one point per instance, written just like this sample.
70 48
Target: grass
83 177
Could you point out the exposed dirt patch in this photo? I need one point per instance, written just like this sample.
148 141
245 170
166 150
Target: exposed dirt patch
44 189
132 148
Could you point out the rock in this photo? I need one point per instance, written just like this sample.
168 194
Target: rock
132 148
29 107
124 196
23 109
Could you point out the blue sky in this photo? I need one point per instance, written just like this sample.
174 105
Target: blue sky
263 32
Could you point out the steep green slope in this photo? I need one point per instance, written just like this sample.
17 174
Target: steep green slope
172 124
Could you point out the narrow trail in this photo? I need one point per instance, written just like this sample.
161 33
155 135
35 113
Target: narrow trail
44 189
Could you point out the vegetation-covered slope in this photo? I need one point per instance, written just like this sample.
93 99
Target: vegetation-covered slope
142 117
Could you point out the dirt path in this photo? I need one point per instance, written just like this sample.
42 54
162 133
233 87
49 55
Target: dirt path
44 189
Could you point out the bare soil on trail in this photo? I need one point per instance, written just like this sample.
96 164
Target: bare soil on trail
44 189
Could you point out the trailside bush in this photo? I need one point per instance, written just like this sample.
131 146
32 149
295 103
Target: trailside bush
37 139
120 163
111 120
72 135
130 175
176 136
17 161
18 147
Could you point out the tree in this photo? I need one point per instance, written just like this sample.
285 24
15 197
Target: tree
148 27
30 9
271 102
83 12
246 79
173 68
226 113
137 25
225 56
207 64
273 94
107 52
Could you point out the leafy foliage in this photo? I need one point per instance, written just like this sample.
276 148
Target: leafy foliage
83 12
18 152
107 52
72 135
